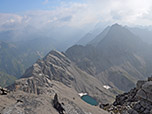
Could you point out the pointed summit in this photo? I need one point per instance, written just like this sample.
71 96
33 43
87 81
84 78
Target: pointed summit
116 25
120 37
115 29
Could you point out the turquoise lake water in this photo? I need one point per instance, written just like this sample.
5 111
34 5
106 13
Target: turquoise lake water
89 100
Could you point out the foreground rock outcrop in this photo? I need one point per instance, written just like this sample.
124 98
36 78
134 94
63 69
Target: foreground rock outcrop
136 101
30 103
3 91
57 105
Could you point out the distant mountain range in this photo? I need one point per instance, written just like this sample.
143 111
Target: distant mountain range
20 49
116 57
9 60
143 33
6 79
116 53
107 65
15 57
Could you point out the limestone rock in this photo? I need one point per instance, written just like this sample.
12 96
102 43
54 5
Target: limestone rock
55 73
58 105
140 84
136 101
56 66
3 91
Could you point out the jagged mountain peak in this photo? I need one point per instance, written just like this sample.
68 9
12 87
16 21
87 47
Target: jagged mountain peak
53 63
117 54
119 28
113 33
56 55
57 67
121 37
116 25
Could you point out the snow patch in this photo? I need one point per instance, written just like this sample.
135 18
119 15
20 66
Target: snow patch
106 87
82 94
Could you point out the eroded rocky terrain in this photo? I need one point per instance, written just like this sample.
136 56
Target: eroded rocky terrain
136 101
54 75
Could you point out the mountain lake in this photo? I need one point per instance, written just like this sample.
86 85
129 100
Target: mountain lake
88 99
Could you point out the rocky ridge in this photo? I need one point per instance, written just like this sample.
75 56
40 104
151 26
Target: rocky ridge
56 66
55 74
118 58
136 101
29 103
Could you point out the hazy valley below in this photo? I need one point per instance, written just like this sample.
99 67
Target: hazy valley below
75 57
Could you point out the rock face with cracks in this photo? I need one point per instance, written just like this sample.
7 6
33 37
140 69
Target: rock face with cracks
58 106
56 66
35 92
136 101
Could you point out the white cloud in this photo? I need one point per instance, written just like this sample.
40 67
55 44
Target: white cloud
122 11
85 15
10 21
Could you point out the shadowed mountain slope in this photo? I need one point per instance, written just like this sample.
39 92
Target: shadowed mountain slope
120 58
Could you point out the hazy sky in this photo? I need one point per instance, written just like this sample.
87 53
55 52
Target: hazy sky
73 14
76 12
16 6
